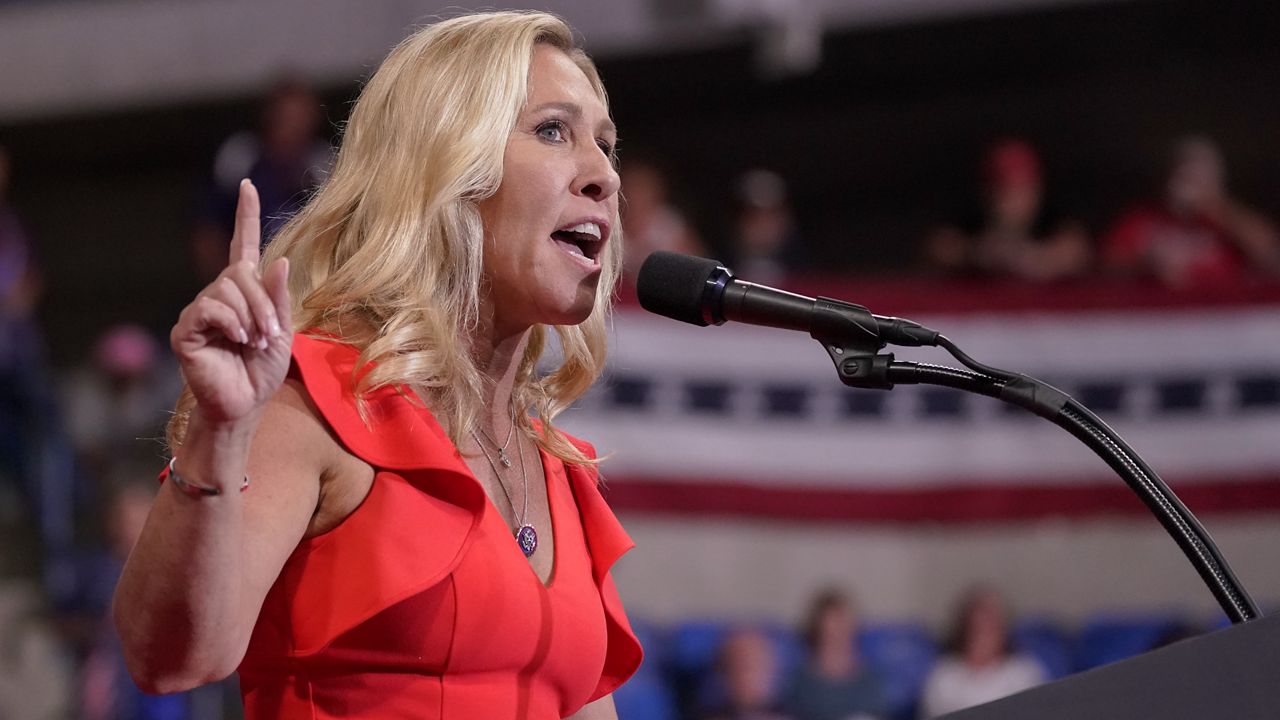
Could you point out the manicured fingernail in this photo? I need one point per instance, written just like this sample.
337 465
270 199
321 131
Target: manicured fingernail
275 327
244 337
262 343
244 181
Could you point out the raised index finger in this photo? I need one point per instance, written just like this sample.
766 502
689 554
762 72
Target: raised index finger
248 233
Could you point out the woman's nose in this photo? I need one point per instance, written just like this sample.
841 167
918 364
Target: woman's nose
598 179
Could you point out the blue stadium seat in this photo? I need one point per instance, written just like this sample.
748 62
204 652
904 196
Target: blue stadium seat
654 641
692 650
1044 641
788 647
645 697
693 646
1106 639
902 654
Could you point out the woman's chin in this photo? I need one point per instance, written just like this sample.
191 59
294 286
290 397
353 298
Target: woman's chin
575 316
572 311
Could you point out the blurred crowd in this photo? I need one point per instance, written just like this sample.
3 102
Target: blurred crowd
80 448
836 666
1190 232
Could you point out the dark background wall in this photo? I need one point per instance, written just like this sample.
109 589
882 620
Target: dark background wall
878 145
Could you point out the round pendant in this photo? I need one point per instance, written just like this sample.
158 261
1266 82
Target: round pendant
527 538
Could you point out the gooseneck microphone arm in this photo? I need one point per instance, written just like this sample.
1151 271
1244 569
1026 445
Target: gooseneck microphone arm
703 292
1075 418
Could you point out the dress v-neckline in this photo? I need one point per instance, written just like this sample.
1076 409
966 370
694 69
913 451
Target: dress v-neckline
551 520
546 481
551 516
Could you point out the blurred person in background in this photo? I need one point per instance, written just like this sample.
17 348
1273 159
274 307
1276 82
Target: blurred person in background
23 383
20 278
1197 234
834 684
766 244
748 669
115 406
650 221
286 158
1015 234
121 397
36 478
107 692
979 665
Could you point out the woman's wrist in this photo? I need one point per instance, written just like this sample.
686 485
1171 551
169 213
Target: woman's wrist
213 455
195 489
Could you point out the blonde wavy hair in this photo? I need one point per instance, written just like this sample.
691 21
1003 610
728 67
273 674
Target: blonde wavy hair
387 254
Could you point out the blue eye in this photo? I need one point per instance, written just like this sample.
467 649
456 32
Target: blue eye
552 131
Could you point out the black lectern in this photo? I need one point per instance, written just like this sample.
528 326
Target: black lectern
1231 673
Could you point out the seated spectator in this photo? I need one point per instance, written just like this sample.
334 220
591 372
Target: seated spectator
1197 234
766 244
285 158
979 666
83 605
120 401
834 684
649 220
748 669
27 403
20 281
1014 234
107 692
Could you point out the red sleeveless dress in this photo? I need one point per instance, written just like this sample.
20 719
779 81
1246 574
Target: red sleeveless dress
420 604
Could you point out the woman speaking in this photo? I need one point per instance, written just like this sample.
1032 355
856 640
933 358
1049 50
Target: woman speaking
361 515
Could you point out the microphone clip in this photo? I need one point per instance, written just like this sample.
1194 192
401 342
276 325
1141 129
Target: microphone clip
851 336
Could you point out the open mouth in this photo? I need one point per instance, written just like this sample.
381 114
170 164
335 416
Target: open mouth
584 241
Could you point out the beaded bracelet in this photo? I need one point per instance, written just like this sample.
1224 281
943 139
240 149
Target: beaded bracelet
195 490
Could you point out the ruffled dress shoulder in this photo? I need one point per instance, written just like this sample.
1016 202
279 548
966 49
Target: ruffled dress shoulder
420 604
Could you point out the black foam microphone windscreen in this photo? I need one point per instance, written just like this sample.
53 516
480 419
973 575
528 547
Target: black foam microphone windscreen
673 285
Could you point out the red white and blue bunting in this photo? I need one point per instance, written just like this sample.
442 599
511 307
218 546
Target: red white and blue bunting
753 421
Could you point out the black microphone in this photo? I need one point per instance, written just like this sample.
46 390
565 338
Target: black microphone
704 292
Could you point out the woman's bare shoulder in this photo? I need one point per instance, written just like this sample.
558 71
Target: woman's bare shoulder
293 432
291 411
293 423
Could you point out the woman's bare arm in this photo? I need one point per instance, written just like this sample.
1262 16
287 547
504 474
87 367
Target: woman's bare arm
191 589
195 582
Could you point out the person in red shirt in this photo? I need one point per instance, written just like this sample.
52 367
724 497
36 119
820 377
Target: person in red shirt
1198 234
1014 232
414 543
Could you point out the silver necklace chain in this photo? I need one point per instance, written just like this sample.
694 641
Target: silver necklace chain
502 449
524 476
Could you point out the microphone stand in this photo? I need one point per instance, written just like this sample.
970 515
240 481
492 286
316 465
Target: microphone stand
851 336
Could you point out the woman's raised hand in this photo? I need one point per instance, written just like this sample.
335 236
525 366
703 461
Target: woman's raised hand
233 341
